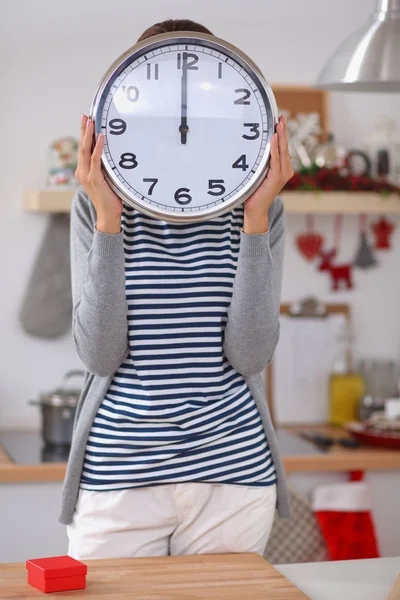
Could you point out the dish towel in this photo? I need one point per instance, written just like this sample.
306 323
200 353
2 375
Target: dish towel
343 511
46 310
298 539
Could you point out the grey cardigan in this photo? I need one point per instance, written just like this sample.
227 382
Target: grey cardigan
100 325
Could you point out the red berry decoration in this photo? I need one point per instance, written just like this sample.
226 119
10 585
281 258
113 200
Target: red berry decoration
316 178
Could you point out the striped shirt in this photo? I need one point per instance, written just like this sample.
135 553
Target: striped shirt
176 410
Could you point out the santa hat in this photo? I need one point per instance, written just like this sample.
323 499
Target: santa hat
343 511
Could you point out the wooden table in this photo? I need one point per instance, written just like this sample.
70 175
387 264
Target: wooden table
206 576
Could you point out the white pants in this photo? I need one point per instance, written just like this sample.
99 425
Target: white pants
183 518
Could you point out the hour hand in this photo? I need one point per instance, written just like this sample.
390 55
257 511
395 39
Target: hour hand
183 129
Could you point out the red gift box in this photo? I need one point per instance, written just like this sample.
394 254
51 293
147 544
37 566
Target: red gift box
56 574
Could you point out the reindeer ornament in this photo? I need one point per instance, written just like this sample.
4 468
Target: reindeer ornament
340 274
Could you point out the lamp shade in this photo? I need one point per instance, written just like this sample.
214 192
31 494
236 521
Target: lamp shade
368 60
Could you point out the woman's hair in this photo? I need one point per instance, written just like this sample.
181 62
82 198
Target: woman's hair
173 25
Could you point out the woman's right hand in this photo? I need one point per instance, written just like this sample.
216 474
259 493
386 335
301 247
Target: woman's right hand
107 204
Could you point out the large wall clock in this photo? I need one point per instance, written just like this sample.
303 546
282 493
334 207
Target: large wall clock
187 120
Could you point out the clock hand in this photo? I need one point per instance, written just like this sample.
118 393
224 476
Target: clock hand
184 126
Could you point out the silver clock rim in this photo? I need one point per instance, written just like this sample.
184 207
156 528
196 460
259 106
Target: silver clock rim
262 170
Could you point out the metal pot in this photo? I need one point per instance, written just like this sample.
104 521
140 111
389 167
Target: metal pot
58 411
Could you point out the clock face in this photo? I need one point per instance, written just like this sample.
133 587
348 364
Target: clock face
187 125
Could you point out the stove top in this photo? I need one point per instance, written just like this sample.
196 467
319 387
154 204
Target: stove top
28 448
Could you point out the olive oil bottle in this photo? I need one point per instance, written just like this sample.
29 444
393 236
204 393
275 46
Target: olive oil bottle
346 388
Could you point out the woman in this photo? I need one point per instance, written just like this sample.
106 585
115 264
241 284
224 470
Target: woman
173 449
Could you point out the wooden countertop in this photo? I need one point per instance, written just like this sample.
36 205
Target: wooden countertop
10 472
205 576
336 459
364 458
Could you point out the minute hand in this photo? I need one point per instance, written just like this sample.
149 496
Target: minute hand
184 126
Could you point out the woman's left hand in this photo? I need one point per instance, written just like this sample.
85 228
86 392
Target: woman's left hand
280 172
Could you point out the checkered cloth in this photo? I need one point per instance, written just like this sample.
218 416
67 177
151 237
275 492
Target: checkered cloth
297 539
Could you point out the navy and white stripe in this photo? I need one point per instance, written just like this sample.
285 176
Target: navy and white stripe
176 410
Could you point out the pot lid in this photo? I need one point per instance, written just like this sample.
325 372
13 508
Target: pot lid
64 395
56 399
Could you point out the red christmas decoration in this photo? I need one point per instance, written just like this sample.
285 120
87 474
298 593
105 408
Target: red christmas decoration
382 229
339 273
309 244
344 514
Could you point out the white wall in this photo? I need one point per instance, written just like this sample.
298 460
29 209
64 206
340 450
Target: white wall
52 55
23 537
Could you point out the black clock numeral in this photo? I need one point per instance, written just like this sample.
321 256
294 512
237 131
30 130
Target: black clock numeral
244 99
150 70
117 126
128 161
255 128
153 183
187 61
240 163
193 58
132 92
183 193
220 70
216 187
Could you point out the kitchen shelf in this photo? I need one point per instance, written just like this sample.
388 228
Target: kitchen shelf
348 203
48 200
